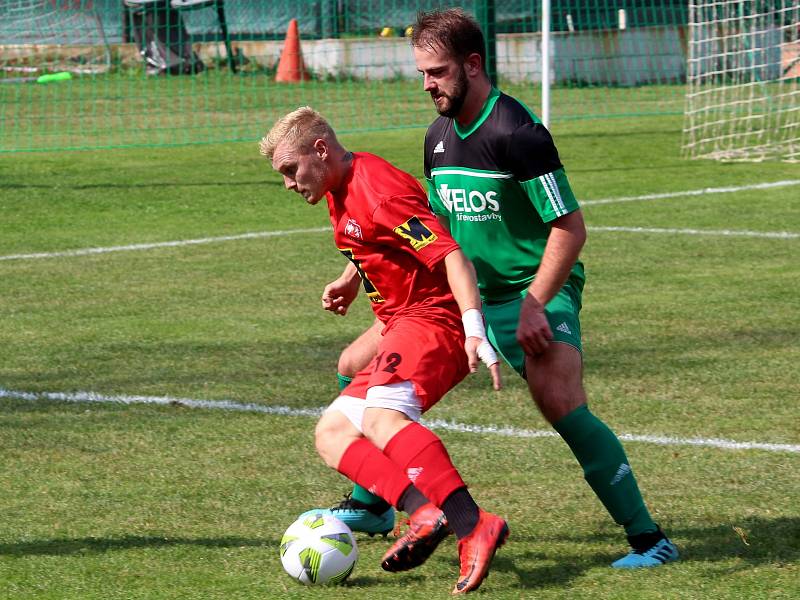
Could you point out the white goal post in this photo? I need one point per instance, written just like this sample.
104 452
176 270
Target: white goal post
743 80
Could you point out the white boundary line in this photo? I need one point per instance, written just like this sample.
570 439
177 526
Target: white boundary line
266 234
513 432
700 192
208 240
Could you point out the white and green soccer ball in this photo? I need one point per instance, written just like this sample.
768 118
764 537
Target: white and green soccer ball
318 549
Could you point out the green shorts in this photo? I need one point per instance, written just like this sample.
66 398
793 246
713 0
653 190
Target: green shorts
562 315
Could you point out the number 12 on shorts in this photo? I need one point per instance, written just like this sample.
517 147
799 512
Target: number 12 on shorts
393 359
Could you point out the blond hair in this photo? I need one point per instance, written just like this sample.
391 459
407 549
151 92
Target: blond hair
300 128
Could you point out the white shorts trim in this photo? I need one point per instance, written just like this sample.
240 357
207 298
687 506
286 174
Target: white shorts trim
395 396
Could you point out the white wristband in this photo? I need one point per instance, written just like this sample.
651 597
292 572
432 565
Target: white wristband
473 323
487 354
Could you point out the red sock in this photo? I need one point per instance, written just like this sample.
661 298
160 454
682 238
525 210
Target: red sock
363 463
422 455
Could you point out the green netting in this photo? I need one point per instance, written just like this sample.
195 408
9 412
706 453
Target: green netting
217 78
743 93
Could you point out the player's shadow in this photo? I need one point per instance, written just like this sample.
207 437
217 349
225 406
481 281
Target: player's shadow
753 541
98 545
534 569
92 545
366 581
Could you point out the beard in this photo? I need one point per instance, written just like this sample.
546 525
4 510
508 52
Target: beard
454 101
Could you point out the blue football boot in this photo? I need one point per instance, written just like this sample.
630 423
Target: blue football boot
651 549
366 518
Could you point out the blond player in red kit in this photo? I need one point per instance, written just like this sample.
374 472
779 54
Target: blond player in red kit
424 291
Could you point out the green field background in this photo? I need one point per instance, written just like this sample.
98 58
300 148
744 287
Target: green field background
690 335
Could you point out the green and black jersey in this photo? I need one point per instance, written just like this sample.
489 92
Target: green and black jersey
499 183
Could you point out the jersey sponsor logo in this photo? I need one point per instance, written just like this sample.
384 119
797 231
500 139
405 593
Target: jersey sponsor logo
470 205
353 229
486 217
439 147
415 232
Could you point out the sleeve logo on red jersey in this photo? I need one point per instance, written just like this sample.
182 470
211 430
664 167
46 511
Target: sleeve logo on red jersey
415 232
353 229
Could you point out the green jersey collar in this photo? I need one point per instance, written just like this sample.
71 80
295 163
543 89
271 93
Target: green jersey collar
463 133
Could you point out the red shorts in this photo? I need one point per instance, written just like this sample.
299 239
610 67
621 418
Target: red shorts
427 352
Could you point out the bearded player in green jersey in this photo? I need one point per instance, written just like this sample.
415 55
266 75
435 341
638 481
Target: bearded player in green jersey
496 181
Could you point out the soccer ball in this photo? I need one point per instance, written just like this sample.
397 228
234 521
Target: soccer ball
318 549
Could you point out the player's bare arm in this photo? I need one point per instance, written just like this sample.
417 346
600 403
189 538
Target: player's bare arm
464 285
339 294
444 221
566 239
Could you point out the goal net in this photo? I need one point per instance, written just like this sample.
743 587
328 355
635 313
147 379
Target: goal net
743 80
45 36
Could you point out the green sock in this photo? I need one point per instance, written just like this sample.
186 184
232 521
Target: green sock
344 381
362 495
606 469
359 493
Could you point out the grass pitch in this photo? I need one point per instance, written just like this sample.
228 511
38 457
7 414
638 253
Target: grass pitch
690 335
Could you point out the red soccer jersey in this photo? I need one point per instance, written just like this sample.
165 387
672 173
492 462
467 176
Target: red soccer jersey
382 222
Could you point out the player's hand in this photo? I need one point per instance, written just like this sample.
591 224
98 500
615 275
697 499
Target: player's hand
533 330
338 295
479 349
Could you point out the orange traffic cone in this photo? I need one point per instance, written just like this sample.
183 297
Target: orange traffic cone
290 67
